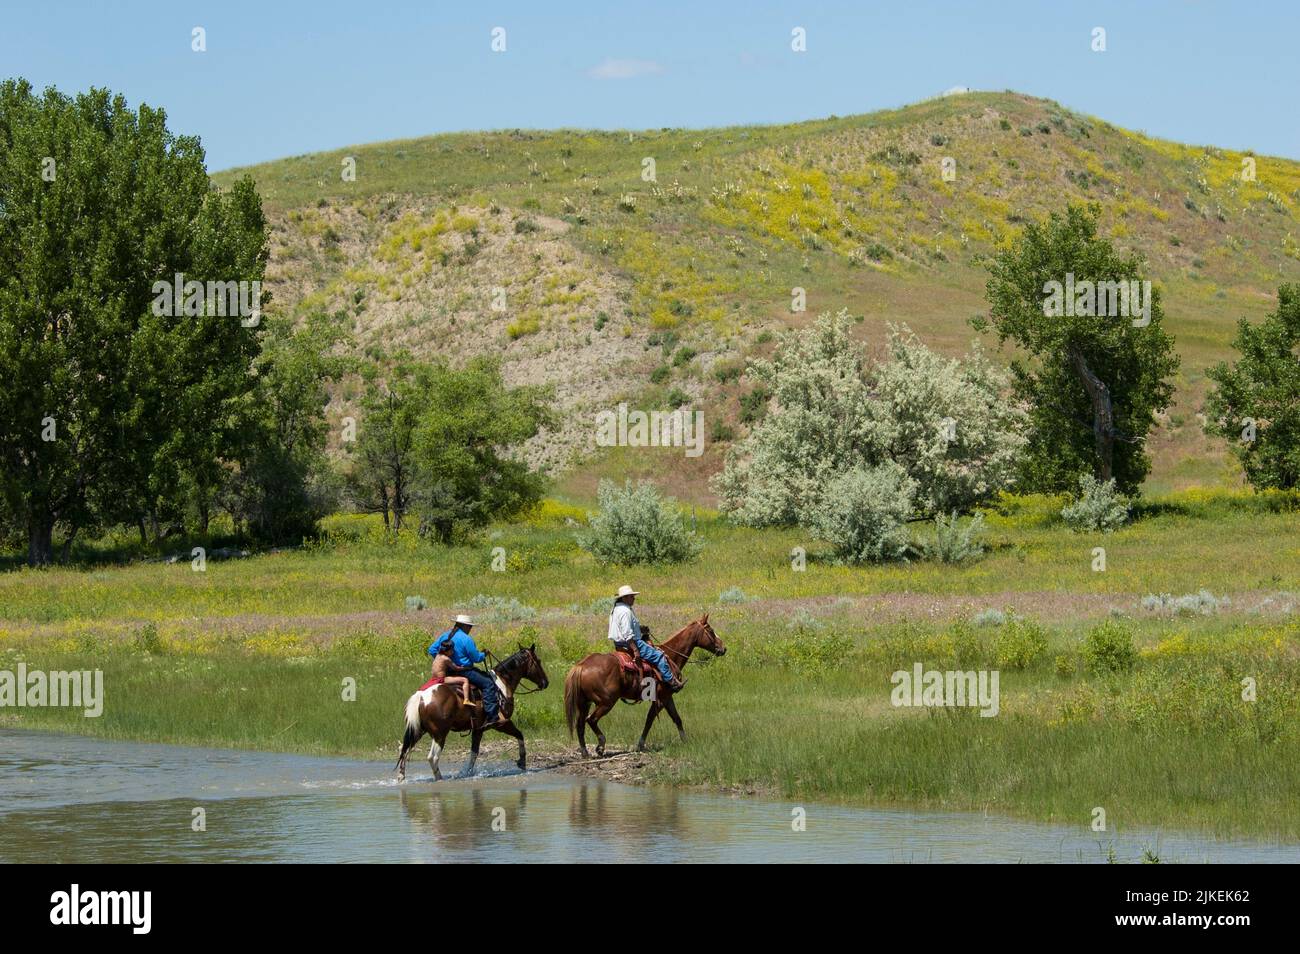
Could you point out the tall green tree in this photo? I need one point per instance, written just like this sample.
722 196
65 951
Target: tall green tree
383 475
470 426
1092 379
1255 401
104 402
282 482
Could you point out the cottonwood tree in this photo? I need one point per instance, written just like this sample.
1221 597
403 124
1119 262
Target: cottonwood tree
1092 383
471 424
383 477
282 483
103 403
1255 401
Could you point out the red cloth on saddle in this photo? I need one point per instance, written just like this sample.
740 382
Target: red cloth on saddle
436 680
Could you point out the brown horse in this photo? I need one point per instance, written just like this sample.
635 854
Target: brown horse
599 680
437 713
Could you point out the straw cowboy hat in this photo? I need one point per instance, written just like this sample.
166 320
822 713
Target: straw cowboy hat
463 619
625 590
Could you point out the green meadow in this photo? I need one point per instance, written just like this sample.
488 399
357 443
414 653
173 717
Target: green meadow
255 653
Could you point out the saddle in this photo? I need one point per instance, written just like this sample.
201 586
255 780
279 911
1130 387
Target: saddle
639 668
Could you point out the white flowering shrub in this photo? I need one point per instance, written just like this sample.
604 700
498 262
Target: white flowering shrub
1099 506
636 525
816 430
947 424
863 513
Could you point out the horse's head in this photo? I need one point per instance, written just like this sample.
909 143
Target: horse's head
531 666
706 638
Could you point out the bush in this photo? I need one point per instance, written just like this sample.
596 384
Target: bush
1108 647
498 609
1202 603
1099 506
863 513
1019 644
806 653
733 595
636 525
989 617
573 646
967 648
952 543
944 421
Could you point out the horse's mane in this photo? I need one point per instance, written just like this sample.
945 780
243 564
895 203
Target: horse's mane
694 622
510 662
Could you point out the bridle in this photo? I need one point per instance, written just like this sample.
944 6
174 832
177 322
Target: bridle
502 663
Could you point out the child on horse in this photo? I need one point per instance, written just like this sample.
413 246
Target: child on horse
443 670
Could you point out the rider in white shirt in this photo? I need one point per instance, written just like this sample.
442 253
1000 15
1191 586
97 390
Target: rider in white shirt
627 634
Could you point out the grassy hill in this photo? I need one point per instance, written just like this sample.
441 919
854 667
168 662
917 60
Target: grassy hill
551 250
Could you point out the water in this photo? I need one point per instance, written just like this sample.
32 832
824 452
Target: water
69 798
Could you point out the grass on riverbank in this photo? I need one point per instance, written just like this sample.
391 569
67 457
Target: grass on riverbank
801 712
1226 541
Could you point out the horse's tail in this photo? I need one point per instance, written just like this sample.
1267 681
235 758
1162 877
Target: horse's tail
413 730
571 690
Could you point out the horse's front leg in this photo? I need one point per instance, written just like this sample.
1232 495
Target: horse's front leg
670 706
655 706
475 738
512 730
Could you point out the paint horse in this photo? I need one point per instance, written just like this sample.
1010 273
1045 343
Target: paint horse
437 710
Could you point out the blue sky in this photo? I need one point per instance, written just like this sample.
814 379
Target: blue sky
282 79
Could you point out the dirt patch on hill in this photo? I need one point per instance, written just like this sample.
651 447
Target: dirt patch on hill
459 282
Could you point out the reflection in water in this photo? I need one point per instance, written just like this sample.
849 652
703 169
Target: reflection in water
65 798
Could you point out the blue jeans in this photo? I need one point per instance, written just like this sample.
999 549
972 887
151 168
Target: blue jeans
484 684
656 658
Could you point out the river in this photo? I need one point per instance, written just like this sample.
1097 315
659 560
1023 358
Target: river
67 798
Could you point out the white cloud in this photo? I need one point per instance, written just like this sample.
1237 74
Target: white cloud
612 69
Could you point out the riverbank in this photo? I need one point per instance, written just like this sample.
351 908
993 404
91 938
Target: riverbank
1184 712
802 712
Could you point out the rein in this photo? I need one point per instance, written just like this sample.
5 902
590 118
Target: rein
664 647
503 664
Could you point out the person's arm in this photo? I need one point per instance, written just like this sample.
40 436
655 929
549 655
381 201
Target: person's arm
472 651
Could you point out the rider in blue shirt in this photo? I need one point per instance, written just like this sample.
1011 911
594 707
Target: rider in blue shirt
465 654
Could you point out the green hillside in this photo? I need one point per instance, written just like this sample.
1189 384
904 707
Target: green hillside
551 250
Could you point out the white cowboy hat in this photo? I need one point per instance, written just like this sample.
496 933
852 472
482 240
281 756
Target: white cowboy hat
625 590
462 618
